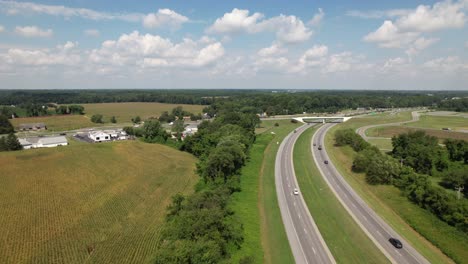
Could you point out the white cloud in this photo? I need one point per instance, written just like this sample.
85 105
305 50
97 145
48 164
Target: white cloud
374 14
317 19
164 17
288 29
33 31
273 50
2 28
17 8
149 50
61 55
389 36
441 15
450 64
420 44
92 33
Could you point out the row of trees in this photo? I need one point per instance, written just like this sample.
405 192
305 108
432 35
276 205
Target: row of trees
200 228
458 105
9 143
69 110
407 171
5 126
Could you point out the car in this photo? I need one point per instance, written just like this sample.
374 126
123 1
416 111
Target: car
395 242
296 191
295 131
320 147
326 161
315 144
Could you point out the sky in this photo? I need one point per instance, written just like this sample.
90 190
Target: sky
365 45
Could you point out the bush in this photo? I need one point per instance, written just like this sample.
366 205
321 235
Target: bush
97 119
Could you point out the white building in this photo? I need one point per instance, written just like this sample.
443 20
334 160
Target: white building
43 142
99 136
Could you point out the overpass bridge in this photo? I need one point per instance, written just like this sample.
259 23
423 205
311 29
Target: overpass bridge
322 119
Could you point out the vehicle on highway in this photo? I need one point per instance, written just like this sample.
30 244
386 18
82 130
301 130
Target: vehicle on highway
395 242
295 131
315 144
320 147
296 191
326 162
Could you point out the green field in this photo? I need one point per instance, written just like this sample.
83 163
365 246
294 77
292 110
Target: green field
397 210
124 112
384 144
390 131
88 203
57 123
273 236
439 122
345 239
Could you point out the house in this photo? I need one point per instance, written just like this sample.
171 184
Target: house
32 126
43 142
99 136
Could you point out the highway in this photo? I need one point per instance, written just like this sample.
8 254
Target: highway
304 237
377 230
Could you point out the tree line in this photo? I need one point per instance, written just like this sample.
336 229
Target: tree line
414 159
201 228
10 141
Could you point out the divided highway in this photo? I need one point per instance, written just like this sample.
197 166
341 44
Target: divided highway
304 237
377 230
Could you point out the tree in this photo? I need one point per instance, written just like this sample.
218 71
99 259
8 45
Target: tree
97 118
178 128
62 110
136 120
113 120
76 109
166 117
5 126
10 143
153 131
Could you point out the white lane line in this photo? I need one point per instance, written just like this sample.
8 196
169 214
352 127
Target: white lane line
315 252
294 204
365 218
354 205
398 253
299 215
379 233
305 231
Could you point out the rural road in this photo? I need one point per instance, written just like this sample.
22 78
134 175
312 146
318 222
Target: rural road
377 230
362 130
304 237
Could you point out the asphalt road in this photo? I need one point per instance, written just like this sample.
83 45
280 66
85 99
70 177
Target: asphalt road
304 237
377 230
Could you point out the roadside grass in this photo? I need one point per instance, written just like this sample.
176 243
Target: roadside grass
246 203
405 217
384 144
88 203
124 112
381 118
345 239
57 123
391 131
439 122
273 236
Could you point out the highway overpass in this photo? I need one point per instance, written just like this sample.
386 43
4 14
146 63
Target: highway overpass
322 119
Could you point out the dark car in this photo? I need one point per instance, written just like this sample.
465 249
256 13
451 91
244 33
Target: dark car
320 147
395 242
326 162
315 144
295 131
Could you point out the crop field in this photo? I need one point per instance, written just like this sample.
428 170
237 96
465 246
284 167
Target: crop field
124 112
57 123
391 131
95 203
439 122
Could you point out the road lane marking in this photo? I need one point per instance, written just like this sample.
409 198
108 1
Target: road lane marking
315 252
379 232
305 231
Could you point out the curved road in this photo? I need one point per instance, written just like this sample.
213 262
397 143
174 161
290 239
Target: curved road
362 130
377 230
304 237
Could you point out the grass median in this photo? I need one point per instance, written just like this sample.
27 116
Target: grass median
345 239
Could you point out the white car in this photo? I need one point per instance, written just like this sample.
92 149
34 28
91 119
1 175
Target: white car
296 191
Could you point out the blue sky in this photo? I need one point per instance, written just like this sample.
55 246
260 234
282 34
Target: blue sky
234 44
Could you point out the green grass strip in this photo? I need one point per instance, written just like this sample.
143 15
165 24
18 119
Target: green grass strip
345 239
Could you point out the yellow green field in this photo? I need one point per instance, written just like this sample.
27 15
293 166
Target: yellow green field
124 112
390 131
439 122
57 123
88 203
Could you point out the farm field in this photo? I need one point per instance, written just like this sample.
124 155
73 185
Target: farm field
439 122
124 112
405 217
391 131
94 203
57 123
